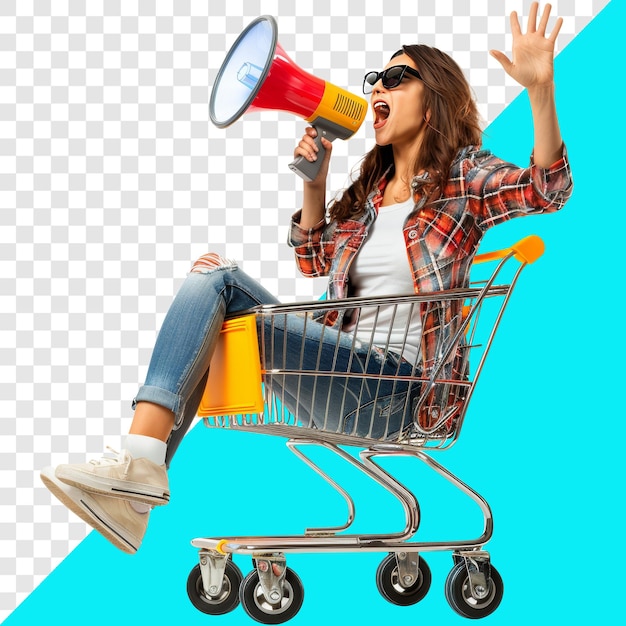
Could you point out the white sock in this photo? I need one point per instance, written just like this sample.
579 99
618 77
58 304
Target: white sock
143 447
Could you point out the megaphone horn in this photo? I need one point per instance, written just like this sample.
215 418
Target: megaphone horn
257 74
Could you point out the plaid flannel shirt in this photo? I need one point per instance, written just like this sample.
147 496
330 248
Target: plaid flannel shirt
441 236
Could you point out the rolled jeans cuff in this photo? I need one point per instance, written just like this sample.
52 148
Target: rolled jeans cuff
163 398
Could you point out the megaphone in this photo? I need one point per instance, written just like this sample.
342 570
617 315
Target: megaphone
257 74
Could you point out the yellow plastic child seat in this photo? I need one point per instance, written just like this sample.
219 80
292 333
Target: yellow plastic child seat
234 386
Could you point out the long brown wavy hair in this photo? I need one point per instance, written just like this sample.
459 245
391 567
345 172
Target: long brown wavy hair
454 123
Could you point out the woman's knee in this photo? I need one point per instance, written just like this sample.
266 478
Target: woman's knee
211 261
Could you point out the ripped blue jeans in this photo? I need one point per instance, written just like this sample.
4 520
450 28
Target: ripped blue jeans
182 354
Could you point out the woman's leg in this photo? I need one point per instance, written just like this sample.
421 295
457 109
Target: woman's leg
186 341
164 405
185 344
191 408
152 420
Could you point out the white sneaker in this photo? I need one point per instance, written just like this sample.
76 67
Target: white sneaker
113 518
119 476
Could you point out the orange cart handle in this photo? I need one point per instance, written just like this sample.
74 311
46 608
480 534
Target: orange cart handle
526 250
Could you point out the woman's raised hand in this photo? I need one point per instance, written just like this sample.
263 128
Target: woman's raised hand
532 62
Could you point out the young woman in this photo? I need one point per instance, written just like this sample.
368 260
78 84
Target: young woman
411 222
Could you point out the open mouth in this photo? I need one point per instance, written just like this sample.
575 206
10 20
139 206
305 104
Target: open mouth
381 113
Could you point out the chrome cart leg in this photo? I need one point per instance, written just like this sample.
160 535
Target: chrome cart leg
327 530
406 498
368 456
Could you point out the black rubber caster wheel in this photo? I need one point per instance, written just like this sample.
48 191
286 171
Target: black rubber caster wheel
387 581
225 601
264 610
459 595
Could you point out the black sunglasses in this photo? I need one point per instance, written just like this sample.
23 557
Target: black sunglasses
391 77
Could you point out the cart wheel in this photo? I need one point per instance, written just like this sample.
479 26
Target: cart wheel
226 601
459 595
259 608
390 587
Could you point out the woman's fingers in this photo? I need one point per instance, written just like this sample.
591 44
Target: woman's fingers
516 29
307 146
555 31
532 17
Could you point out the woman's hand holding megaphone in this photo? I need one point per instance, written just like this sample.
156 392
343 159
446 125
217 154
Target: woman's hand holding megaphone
314 198
309 149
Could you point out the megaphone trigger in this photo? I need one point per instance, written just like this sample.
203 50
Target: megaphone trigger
258 74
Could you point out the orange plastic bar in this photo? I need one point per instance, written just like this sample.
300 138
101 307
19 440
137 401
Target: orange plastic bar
526 250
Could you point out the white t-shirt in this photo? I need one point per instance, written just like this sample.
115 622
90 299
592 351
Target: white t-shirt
382 268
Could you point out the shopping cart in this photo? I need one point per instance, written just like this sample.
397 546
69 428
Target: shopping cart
262 380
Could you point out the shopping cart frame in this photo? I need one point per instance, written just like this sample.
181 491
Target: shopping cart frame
272 592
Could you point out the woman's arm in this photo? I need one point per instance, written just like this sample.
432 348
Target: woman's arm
314 192
532 66
308 225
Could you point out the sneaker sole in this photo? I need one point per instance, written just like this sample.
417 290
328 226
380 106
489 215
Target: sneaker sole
123 489
88 510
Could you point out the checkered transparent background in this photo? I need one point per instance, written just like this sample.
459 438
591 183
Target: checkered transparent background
113 180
